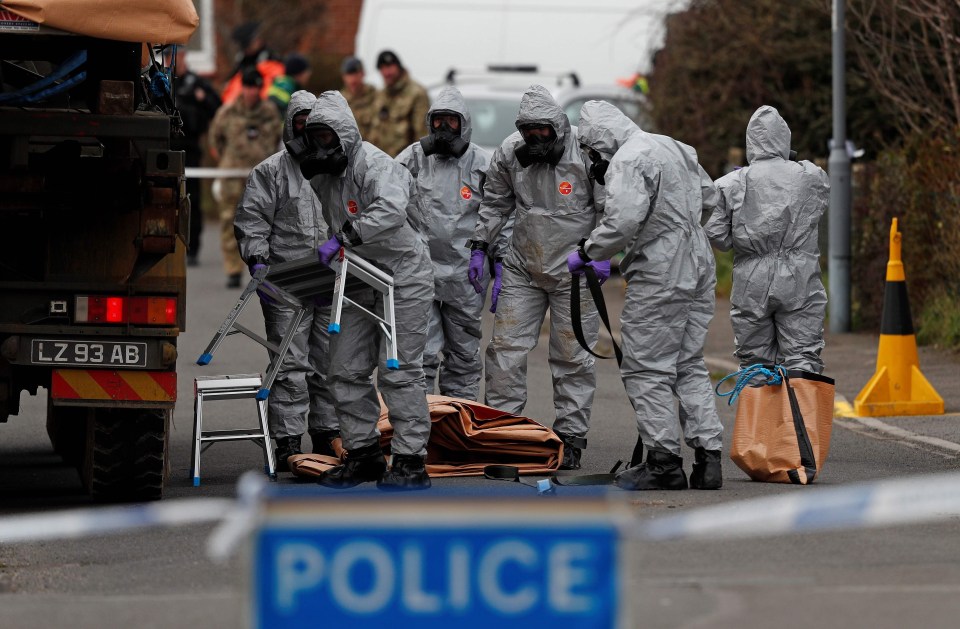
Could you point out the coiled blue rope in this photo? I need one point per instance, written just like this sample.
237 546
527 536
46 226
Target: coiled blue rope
745 376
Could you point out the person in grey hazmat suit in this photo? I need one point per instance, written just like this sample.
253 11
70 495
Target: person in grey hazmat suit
365 194
448 171
279 219
538 176
655 192
769 213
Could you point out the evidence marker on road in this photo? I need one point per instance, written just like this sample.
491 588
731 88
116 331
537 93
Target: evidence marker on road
898 387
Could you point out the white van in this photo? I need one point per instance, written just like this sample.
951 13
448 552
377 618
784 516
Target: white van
600 40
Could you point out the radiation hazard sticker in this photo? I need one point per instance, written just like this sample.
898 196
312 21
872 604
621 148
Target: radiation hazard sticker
565 188
352 206
465 193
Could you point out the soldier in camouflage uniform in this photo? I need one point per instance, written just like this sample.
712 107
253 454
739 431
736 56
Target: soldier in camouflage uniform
242 134
401 107
359 94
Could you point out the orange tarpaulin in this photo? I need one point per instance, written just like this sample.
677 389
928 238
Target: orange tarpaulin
153 21
465 437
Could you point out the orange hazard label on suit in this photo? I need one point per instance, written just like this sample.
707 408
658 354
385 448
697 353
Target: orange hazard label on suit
352 206
104 384
465 193
565 188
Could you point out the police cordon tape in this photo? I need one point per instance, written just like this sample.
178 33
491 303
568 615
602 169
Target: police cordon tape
78 523
216 173
912 500
868 505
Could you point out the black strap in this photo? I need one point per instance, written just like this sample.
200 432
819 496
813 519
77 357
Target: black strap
581 480
637 457
505 472
593 283
807 459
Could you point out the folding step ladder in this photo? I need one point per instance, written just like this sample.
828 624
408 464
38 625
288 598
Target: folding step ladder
235 387
296 284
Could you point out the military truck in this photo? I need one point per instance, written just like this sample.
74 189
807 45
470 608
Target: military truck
92 260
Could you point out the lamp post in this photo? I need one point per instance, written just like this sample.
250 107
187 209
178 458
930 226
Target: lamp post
839 165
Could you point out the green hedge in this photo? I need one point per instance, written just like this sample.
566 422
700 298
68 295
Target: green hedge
920 186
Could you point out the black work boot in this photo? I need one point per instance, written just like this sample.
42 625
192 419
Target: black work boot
286 447
323 441
360 466
572 448
706 470
407 472
661 470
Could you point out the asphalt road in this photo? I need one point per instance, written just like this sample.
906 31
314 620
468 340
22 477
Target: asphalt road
892 577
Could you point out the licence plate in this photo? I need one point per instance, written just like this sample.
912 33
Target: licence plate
105 353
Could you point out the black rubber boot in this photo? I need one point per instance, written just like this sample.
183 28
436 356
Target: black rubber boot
661 470
407 472
707 473
362 465
286 447
572 449
323 441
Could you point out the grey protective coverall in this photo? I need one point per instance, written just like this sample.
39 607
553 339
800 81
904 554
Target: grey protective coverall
655 192
279 219
372 194
448 191
554 209
769 213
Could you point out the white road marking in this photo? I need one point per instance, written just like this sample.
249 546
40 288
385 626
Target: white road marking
845 417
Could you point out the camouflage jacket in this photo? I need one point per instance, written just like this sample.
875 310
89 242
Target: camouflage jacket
362 107
244 137
401 115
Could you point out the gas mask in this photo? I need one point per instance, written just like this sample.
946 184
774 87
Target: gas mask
538 149
299 146
325 155
598 166
444 140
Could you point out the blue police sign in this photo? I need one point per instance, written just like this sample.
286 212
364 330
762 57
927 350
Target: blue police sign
469 571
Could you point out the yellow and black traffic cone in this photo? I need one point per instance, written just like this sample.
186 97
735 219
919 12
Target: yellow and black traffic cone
898 387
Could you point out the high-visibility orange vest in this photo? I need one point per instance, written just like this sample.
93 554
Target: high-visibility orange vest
269 70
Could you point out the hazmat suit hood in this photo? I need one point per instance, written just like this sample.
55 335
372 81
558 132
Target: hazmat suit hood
767 135
300 101
537 106
604 128
450 99
331 109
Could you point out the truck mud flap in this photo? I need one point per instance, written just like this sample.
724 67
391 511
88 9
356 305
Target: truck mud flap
106 388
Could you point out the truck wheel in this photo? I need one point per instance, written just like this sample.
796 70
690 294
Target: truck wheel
67 429
127 454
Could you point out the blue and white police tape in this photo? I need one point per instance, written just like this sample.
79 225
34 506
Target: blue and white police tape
77 523
884 503
216 173
868 505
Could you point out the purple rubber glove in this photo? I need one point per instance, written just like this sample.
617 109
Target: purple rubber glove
497 285
575 263
602 267
263 292
328 251
475 272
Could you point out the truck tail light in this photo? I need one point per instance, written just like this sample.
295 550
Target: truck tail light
136 310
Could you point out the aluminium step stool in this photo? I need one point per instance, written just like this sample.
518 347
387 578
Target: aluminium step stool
232 387
296 284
